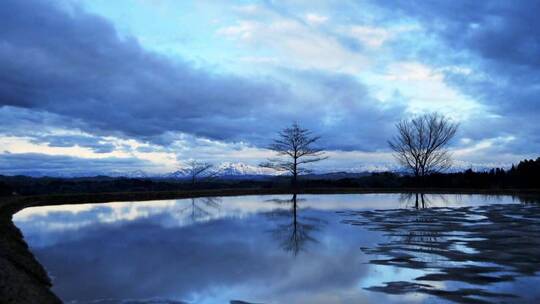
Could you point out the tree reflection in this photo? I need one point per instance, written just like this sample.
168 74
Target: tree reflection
201 207
528 198
421 200
481 245
296 231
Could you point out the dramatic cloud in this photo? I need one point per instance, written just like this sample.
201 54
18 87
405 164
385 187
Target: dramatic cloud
85 141
76 65
36 164
497 42
156 85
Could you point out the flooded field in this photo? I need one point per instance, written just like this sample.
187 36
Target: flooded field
364 248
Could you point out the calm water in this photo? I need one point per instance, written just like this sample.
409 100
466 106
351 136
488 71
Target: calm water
280 249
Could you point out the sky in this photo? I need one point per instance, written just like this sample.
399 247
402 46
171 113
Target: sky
98 86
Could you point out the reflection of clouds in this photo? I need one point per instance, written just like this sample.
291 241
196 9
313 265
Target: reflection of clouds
173 262
211 262
472 250
176 213
147 249
66 217
75 216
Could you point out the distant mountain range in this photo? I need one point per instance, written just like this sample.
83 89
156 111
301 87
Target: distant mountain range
226 169
237 170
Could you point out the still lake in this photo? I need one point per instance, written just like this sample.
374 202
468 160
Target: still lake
361 248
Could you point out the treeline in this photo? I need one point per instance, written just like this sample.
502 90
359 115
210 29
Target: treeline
25 185
525 175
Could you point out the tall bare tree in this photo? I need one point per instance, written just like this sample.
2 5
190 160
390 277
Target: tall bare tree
294 147
421 143
196 168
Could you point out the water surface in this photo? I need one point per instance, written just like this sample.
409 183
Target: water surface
367 248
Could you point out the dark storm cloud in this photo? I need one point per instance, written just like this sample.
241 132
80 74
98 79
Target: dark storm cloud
52 165
39 128
74 65
503 31
86 141
500 42
27 122
344 113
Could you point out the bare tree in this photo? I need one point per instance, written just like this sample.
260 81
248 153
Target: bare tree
421 143
196 169
294 147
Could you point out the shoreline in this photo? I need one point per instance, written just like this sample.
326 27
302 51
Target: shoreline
12 204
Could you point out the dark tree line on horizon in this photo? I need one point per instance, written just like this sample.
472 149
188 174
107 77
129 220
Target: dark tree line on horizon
524 175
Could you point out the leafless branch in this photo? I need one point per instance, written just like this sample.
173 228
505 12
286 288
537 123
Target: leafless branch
294 147
197 169
421 142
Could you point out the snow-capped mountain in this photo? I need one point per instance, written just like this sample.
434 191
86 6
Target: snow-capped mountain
130 174
178 174
461 166
235 169
226 169
378 167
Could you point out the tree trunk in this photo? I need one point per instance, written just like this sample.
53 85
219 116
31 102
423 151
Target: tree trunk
295 174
